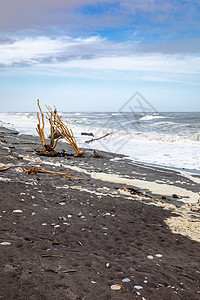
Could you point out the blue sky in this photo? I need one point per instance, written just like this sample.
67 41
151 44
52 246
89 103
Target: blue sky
90 55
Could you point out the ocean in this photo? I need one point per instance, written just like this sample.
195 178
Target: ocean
163 139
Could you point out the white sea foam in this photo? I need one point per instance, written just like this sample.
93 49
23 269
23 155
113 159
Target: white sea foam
159 142
151 117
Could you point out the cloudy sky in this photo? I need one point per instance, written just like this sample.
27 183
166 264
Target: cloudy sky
90 55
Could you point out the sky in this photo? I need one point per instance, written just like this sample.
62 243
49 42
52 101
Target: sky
89 55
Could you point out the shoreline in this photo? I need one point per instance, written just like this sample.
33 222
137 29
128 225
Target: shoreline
120 211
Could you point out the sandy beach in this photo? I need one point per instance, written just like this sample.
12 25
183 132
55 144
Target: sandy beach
107 229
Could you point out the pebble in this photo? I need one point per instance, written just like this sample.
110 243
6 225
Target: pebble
56 226
106 214
62 203
69 216
44 224
62 218
150 257
34 204
126 280
33 213
17 211
80 214
92 281
107 265
115 287
158 255
82 217
138 287
33 197
145 281
5 244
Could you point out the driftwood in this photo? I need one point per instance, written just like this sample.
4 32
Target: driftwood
48 150
34 171
65 132
92 140
6 168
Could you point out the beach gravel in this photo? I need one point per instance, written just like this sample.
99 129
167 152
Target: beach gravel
56 254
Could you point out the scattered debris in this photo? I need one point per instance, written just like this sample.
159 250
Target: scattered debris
49 255
17 211
97 155
46 255
68 271
34 171
6 168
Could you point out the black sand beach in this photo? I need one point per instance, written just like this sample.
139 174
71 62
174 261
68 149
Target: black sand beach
113 223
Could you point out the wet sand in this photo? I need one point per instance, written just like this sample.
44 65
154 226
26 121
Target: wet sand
113 222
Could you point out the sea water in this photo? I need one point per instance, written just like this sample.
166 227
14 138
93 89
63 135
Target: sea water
166 139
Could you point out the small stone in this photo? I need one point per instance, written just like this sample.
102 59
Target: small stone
33 213
33 197
44 224
56 226
138 287
5 244
62 203
92 281
116 287
145 281
17 211
106 214
126 280
69 216
82 217
158 255
107 265
62 218
34 204
138 293
150 257
80 214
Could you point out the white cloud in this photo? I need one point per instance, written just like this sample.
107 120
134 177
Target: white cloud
93 53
